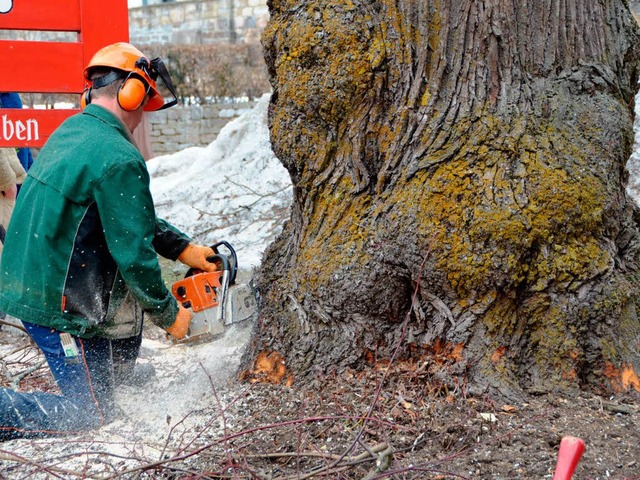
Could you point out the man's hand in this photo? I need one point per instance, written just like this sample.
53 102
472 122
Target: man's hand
195 256
180 327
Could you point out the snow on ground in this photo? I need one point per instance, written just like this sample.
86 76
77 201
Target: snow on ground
633 165
235 189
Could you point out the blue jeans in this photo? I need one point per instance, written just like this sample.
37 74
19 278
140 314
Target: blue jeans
85 381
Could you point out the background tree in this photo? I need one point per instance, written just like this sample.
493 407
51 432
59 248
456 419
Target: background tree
472 152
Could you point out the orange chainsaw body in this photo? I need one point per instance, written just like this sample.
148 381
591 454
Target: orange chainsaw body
198 292
214 298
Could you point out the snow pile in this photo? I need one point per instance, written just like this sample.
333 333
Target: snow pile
633 165
235 189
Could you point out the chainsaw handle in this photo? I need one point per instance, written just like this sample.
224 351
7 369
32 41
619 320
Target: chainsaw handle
229 261
232 265
226 265
211 259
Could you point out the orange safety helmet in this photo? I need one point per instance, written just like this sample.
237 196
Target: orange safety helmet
140 77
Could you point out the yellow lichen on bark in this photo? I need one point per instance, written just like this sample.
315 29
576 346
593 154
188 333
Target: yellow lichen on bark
335 241
505 173
503 218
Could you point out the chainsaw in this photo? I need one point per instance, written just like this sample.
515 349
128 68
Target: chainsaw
214 298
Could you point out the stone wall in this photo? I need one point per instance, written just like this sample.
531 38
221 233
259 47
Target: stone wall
178 128
195 22
198 22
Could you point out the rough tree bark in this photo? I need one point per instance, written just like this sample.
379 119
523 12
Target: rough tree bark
473 152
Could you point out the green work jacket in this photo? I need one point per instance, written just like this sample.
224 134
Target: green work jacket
83 239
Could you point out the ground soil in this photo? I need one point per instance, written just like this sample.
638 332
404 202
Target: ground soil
388 421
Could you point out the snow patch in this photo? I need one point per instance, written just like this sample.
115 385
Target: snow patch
234 189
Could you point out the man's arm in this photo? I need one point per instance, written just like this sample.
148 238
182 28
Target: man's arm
128 218
168 241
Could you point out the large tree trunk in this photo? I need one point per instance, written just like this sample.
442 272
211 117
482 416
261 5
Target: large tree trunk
472 152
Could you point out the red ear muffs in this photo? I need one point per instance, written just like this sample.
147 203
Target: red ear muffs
85 98
132 93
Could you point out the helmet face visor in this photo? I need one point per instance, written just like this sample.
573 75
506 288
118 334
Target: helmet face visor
156 70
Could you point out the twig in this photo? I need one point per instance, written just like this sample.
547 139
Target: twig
369 453
199 450
171 430
22 347
382 463
55 471
9 324
263 218
396 351
253 191
15 379
344 464
242 208
413 468
222 415
213 419
31 367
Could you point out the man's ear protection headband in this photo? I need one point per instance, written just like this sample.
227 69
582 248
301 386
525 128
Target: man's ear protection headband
131 93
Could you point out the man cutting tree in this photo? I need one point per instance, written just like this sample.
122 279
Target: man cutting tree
80 265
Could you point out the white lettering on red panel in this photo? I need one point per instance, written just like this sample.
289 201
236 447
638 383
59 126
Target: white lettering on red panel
10 129
6 6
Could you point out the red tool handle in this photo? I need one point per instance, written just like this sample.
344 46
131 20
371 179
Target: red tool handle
571 450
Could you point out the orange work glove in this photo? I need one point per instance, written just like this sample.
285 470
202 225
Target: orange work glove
180 327
195 256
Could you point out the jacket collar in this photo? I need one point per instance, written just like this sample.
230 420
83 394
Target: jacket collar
110 119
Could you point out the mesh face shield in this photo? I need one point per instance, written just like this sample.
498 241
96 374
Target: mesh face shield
155 69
